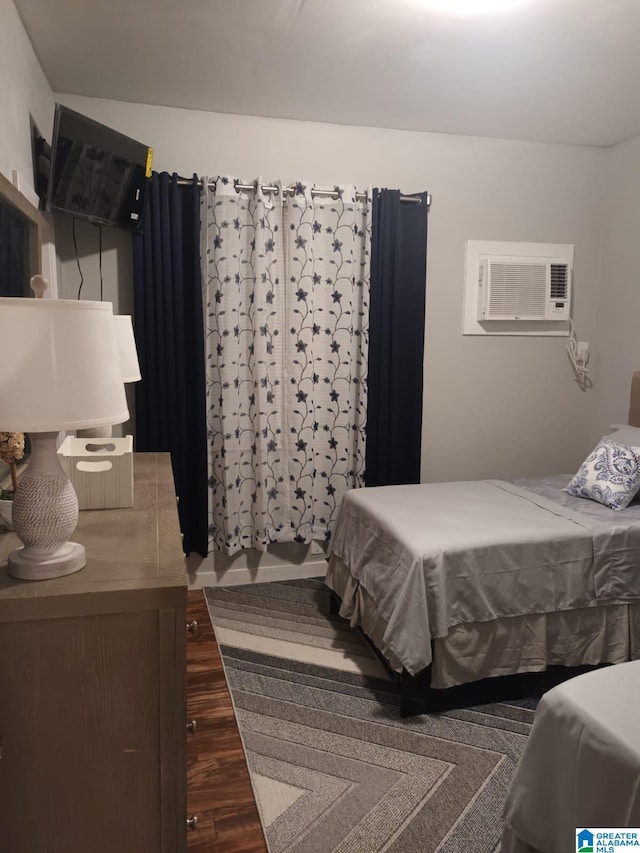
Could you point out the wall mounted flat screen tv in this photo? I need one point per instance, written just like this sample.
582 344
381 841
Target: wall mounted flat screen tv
97 173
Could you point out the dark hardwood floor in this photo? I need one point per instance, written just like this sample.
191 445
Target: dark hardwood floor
218 787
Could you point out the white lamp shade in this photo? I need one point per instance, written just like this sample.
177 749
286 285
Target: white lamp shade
60 368
127 349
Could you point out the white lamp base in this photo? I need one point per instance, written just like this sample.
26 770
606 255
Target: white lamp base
65 561
45 514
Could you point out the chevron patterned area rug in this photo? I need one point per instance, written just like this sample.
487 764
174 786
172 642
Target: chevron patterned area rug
333 766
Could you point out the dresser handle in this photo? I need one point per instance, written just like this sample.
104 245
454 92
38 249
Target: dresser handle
192 822
192 627
192 726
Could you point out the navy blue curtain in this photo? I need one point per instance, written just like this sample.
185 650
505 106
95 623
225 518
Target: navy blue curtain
396 339
170 399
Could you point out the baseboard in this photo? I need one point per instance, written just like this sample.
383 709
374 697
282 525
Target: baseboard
264 574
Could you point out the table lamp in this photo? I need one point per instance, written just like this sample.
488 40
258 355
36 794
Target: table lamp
61 371
127 348
128 365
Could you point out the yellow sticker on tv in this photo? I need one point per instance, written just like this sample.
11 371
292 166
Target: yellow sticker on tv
147 171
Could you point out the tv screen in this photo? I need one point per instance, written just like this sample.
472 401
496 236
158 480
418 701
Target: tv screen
97 173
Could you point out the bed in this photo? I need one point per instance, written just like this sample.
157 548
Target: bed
459 582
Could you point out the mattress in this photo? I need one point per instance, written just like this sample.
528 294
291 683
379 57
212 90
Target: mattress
580 766
531 643
432 560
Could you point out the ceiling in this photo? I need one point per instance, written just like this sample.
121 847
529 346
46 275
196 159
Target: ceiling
565 71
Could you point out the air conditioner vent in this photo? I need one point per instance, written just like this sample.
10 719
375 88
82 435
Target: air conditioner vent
523 289
559 281
517 290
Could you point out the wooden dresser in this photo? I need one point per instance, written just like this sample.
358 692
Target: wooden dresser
92 686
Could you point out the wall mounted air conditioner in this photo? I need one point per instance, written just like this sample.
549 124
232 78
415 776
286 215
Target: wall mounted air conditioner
517 288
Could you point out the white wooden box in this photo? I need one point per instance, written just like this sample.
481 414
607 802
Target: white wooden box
101 470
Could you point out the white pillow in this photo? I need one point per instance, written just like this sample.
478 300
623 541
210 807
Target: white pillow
623 434
609 475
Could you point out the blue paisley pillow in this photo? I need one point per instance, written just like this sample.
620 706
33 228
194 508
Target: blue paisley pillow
609 475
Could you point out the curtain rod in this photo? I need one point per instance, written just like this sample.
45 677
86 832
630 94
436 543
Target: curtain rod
411 199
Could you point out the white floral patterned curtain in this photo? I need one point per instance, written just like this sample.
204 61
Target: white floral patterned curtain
327 315
286 317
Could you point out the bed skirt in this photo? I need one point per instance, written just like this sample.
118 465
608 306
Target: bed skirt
591 635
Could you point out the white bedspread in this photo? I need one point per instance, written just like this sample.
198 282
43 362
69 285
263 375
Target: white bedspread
581 764
438 555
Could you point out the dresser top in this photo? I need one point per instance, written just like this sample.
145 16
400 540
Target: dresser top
135 550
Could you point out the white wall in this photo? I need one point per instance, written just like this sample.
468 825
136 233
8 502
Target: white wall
493 407
619 293
24 90
117 276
